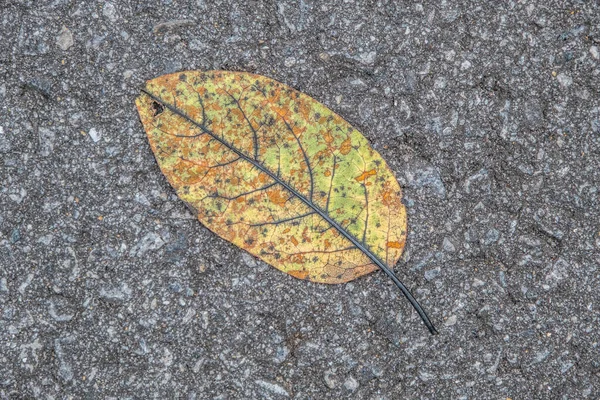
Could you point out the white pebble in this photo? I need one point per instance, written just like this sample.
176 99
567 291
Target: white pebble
95 135
110 12
450 321
351 384
564 80
64 40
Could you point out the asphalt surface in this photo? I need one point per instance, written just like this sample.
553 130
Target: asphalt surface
488 114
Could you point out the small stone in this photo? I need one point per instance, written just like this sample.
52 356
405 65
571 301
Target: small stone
566 366
47 138
23 286
329 378
534 112
151 241
426 376
594 52
143 348
478 282
64 40
432 274
5 145
58 317
368 58
359 84
172 66
197 45
451 321
366 109
95 135
249 260
175 287
351 384
17 195
491 236
167 358
526 169
530 241
558 272
96 41
478 183
564 80
142 199
8 313
272 387
541 356
424 177
116 295
377 371
15 236
46 239
289 62
65 370
281 354
448 246
440 83
110 12
3 285
172 25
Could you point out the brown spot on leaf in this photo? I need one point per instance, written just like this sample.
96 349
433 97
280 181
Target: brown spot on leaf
328 137
346 146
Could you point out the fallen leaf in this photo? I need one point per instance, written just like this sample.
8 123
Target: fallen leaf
277 173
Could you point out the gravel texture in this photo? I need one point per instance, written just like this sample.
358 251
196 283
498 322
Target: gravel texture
488 114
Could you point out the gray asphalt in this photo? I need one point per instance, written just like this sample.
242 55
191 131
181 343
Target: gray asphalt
489 115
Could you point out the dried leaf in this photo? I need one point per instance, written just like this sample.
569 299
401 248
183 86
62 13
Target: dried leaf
276 173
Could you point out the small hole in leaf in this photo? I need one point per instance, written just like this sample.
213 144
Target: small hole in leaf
158 108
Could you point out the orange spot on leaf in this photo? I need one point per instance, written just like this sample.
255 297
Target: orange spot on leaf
328 138
346 146
394 245
387 198
277 197
300 274
365 175
263 178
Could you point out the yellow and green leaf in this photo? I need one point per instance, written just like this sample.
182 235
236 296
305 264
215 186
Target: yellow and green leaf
276 173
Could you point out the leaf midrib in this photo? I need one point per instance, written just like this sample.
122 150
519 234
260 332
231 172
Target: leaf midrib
362 247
